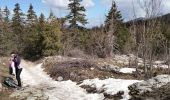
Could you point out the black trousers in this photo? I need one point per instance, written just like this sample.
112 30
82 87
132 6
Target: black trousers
18 73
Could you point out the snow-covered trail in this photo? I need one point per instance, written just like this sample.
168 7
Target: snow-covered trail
38 85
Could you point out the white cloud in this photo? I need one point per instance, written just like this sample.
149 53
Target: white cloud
62 4
87 3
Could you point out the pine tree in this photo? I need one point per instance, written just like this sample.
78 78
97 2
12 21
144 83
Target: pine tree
114 18
41 22
17 28
31 16
76 14
41 31
114 29
1 17
5 37
31 37
1 32
51 37
6 25
6 13
51 16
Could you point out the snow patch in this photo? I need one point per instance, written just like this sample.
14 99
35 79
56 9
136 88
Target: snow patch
127 70
111 86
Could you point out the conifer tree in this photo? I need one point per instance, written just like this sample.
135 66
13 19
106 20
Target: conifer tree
17 20
31 37
76 14
6 13
17 28
6 24
1 18
116 32
41 30
41 22
1 32
113 19
31 16
51 16
5 37
51 37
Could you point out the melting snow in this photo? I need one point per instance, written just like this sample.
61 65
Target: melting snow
111 86
34 76
37 83
127 70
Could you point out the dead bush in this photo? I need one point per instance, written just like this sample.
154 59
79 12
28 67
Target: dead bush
75 70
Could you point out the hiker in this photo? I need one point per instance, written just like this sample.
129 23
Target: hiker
15 67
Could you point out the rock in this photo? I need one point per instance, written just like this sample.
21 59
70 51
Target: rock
89 89
60 78
110 68
151 89
91 68
117 96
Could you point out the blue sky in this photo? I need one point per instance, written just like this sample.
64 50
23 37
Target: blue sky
96 9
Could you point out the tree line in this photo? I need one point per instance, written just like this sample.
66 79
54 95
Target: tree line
36 36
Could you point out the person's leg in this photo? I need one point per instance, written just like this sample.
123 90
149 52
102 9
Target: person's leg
10 70
18 72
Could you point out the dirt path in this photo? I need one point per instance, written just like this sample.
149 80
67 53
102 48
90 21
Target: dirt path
38 85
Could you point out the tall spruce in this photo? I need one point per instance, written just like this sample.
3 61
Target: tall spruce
5 38
17 28
51 37
112 27
114 17
31 37
31 16
1 17
41 31
76 14
41 22
6 14
1 32
6 26
51 16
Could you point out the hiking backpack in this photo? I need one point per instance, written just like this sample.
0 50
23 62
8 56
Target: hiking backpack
8 81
